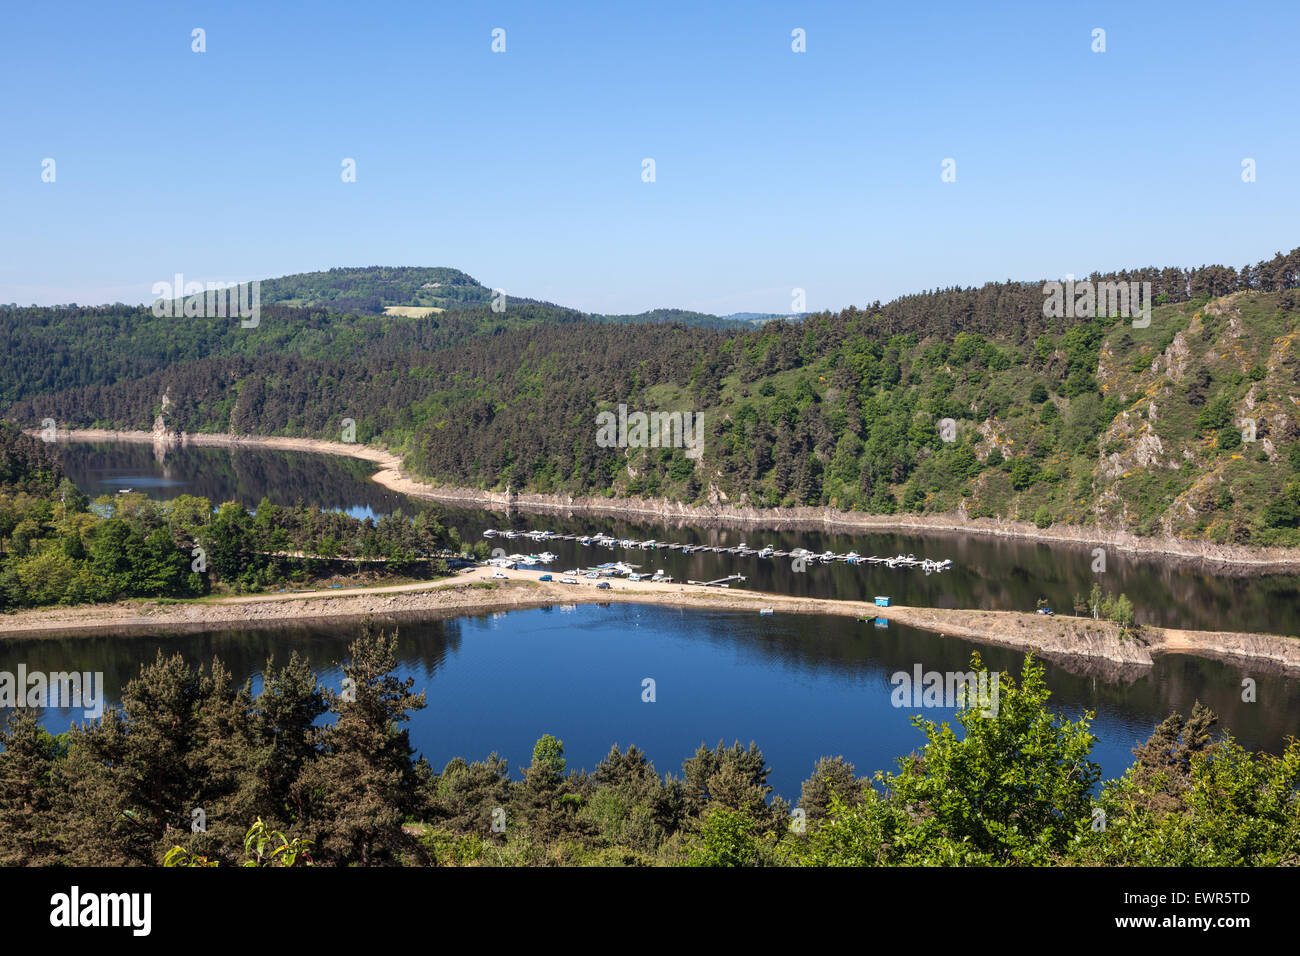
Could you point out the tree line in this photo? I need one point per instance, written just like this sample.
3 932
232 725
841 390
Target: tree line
58 547
189 762
840 410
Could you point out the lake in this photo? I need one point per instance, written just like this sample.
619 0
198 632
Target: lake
800 686
993 573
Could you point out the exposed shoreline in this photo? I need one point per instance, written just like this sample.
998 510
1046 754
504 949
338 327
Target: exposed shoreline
1076 643
1232 559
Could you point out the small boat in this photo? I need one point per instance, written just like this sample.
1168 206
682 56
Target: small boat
546 557
766 612
490 533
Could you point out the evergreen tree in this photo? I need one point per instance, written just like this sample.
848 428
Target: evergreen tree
366 783
27 832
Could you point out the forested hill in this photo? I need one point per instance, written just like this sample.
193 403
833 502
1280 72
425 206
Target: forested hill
322 315
411 291
372 289
1065 419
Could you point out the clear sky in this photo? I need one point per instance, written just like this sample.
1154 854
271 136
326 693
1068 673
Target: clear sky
774 170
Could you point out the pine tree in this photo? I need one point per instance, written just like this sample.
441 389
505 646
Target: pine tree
545 804
366 783
832 776
286 738
27 835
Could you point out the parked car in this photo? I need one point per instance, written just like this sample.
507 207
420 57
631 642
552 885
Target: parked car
603 585
497 575
545 577
1047 610
568 580
591 574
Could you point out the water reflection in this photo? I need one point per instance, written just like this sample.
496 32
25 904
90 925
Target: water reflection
801 686
995 573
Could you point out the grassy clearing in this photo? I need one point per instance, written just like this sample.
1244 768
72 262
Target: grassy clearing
411 311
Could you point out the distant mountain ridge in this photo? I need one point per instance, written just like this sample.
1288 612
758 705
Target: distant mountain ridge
977 401
377 290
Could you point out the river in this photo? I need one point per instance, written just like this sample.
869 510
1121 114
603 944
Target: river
800 686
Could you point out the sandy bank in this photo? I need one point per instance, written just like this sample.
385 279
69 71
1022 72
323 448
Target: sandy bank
1094 646
1231 559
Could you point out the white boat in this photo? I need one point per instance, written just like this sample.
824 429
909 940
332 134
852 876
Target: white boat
490 533
546 557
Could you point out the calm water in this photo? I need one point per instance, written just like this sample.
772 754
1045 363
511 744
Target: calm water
800 686
988 573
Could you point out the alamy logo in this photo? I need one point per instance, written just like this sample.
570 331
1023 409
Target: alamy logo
947 689
216 300
59 689
74 908
1084 299
656 430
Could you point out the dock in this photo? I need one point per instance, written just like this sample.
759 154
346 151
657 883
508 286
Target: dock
904 561
720 582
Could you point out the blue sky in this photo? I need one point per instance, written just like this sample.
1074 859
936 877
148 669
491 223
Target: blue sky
774 169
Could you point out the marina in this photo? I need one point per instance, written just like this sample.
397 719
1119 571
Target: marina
797 555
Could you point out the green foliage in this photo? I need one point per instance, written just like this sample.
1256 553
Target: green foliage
263 846
60 551
835 410
1194 798
365 782
1215 416
1024 472
727 838
1013 789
